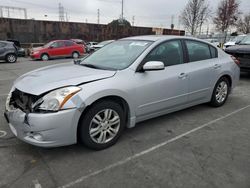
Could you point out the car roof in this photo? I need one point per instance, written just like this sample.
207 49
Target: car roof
60 40
7 42
155 38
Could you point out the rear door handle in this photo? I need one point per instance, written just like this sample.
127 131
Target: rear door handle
182 76
217 66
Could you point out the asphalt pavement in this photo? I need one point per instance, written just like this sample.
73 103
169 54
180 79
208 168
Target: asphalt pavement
196 147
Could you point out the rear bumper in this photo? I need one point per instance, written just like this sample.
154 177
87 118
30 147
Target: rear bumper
44 130
244 64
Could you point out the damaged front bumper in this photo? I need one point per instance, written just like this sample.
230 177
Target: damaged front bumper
44 130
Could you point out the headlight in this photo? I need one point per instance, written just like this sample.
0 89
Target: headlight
56 99
35 52
7 104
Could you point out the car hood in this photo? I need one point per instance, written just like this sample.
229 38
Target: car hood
97 46
229 43
239 49
52 77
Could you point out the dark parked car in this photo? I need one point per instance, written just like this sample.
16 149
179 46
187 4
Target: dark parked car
8 51
20 50
242 53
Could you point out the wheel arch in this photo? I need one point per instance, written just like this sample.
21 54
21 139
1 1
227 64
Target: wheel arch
75 51
116 98
44 53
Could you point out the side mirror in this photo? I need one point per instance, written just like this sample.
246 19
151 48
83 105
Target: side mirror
51 47
153 66
77 61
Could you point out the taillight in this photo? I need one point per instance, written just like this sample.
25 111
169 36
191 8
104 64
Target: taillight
237 61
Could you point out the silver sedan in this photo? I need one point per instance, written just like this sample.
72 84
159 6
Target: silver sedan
123 83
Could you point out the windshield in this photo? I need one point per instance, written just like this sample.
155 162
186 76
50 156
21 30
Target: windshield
246 40
238 39
48 44
117 55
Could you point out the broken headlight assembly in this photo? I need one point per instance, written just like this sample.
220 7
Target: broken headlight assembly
56 99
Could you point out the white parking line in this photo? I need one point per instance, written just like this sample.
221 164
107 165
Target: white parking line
8 79
3 95
3 133
128 159
37 184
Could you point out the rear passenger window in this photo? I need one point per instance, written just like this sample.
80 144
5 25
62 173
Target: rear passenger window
197 51
214 52
69 43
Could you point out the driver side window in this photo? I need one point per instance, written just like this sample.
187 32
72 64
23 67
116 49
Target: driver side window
58 44
170 53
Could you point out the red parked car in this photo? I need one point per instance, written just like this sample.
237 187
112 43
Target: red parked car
56 49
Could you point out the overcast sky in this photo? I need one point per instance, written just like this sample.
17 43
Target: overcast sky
152 13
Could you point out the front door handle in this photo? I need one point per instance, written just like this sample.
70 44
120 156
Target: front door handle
182 76
217 66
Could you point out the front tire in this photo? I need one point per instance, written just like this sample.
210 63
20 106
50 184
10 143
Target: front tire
102 125
11 58
220 93
45 57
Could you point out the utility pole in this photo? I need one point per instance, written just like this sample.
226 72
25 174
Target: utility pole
1 12
179 24
66 16
98 16
133 21
207 29
172 24
122 10
8 9
61 13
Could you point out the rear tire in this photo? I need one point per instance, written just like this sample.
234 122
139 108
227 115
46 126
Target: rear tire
11 58
220 93
102 125
75 55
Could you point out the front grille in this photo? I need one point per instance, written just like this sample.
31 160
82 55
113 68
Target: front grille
22 101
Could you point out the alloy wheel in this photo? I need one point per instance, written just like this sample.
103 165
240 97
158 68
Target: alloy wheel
75 55
45 57
11 58
221 92
104 126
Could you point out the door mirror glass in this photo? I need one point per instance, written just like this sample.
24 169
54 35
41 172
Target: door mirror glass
153 66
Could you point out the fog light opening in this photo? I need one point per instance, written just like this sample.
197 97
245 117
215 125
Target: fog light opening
36 136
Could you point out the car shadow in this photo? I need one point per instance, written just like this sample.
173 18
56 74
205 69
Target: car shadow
245 75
